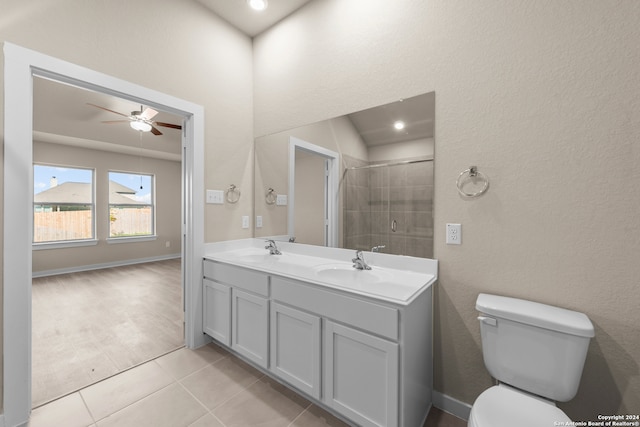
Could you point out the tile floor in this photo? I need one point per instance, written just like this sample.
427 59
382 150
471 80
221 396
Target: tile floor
90 325
202 387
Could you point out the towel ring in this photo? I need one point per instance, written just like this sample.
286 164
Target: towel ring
471 173
233 194
271 196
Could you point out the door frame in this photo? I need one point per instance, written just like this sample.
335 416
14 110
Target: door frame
21 65
332 178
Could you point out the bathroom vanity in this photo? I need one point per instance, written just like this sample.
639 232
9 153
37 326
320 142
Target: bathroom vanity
358 342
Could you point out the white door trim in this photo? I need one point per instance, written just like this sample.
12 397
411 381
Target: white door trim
20 66
331 187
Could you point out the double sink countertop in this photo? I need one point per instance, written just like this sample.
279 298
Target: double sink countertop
393 278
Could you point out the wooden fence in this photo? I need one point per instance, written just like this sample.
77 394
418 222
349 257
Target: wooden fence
77 225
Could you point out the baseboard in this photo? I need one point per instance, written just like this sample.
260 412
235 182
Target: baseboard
450 405
77 269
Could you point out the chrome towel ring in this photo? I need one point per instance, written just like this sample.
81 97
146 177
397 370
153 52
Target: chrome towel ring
270 196
233 194
473 175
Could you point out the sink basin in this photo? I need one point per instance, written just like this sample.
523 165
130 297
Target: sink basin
347 273
390 283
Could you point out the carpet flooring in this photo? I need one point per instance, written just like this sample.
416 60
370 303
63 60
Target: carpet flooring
88 326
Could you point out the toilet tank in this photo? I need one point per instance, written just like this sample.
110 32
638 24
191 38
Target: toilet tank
535 347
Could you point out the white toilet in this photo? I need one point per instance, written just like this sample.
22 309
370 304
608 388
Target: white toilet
537 353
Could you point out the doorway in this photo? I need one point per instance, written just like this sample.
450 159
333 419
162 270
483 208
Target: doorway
106 289
21 65
320 189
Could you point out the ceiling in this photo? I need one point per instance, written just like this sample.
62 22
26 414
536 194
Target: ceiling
375 125
61 115
240 15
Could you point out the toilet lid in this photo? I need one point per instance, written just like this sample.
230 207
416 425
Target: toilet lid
503 406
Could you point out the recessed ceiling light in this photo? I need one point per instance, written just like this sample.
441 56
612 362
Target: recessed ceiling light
399 125
257 4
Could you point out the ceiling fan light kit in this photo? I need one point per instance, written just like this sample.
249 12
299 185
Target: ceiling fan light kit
141 121
140 126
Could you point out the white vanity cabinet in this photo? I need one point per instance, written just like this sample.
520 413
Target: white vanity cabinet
217 311
361 375
367 359
236 309
360 361
295 348
250 326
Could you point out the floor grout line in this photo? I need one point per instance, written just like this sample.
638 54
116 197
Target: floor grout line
87 407
300 414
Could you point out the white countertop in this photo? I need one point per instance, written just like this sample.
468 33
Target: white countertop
392 278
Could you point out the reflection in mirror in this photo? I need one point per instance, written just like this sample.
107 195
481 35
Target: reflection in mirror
385 194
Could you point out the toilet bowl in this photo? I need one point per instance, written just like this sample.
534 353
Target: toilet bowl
505 406
537 354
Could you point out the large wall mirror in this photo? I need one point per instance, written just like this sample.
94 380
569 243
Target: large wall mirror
361 181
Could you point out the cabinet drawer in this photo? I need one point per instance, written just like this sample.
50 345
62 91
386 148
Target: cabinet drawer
376 318
238 277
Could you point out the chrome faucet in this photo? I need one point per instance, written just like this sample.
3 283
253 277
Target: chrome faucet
273 249
377 248
359 263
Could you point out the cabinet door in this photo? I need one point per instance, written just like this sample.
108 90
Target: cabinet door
295 348
361 376
250 326
217 311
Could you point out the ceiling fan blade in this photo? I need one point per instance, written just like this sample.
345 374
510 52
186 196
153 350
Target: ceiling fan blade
148 114
167 125
155 131
110 122
106 109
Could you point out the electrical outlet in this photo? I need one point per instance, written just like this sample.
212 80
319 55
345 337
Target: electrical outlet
454 234
245 221
258 221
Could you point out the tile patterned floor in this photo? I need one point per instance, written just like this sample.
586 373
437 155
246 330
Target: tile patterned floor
90 325
206 387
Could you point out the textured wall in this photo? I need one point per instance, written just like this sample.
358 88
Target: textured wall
175 47
545 98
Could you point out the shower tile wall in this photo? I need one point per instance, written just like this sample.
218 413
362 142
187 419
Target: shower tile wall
376 197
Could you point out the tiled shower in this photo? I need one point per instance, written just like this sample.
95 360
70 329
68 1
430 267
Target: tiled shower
390 206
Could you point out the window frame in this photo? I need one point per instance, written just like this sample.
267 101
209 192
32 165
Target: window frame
55 244
139 238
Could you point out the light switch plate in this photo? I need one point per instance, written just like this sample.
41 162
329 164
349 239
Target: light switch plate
215 197
245 221
281 200
258 221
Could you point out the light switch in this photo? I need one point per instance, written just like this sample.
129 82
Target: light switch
281 200
245 221
215 197
259 221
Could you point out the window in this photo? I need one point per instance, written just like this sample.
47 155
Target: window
63 204
131 205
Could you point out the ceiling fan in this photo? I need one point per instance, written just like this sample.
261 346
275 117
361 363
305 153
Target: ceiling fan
139 120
